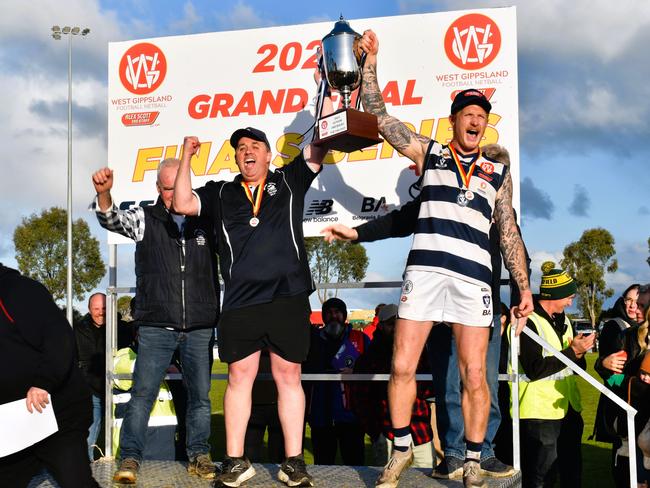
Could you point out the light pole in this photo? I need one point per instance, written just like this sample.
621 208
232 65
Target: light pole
56 34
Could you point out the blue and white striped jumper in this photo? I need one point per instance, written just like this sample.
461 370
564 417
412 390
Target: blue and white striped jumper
452 239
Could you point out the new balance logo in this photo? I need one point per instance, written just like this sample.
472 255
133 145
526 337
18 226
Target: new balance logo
320 207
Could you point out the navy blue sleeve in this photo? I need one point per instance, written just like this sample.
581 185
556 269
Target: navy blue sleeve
298 174
400 222
209 198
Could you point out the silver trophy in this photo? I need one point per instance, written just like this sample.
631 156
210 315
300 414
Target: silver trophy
347 129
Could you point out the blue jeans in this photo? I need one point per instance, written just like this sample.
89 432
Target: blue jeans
446 385
93 430
155 350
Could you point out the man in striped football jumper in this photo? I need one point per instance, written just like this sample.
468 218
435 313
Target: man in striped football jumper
448 272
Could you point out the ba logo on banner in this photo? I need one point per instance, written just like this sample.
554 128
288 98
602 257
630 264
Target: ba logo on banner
472 41
143 68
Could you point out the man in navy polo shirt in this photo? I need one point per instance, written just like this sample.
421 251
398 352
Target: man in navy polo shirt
258 220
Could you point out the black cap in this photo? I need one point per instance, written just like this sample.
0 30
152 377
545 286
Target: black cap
251 132
470 97
336 303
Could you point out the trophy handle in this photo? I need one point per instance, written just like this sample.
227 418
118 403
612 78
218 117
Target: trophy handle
362 61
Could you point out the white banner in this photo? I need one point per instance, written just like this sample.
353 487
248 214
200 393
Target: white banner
209 85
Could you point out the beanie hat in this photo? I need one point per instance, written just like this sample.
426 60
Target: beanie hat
556 283
336 303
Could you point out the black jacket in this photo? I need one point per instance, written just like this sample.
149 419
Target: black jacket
533 362
611 338
176 274
37 347
91 353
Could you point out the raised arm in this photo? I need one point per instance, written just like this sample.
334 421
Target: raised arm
314 154
512 248
409 143
184 201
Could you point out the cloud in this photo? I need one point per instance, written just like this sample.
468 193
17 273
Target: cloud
190 21
242 16
535 203
89 121
581 202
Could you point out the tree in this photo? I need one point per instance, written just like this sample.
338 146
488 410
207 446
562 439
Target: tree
586 261
338 262
124 307
41 253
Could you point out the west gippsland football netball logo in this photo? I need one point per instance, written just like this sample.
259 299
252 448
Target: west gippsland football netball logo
472 41
143 68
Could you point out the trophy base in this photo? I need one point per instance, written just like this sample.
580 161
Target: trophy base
347 130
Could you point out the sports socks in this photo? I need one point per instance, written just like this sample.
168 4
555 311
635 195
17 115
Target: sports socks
402 438
473 451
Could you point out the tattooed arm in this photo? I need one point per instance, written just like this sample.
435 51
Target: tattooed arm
407 142
512 248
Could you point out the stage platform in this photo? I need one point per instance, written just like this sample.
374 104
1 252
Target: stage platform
168 474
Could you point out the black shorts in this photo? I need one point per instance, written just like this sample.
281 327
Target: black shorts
282 326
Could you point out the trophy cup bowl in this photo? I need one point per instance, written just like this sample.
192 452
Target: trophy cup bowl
347 129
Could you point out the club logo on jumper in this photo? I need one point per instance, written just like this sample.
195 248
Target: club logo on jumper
487 167
441 163
486 300
407 287
143 68
320 207
472 41
271 189
199 234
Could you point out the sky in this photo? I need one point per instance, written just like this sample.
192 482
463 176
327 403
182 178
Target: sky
583 99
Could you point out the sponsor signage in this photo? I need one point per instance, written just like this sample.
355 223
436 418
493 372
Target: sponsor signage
208 85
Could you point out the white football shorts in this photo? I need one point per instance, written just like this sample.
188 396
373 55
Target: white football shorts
432 296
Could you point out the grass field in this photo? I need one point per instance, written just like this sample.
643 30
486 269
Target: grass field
596 455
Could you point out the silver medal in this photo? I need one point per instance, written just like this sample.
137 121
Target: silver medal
469 194
254 222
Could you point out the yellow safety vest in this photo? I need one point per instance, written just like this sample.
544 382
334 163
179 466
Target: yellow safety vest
162 412
548 398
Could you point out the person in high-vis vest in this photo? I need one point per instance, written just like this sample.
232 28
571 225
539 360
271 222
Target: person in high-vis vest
549 400
161 428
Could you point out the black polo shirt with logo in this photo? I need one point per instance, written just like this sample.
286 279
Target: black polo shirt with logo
262 262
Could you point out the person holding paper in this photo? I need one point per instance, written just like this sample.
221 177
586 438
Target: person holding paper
38 350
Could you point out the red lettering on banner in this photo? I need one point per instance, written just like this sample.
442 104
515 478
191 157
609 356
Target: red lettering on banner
391 94
221 104
246 105
409 99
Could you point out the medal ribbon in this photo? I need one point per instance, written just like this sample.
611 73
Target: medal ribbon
257 203
464 176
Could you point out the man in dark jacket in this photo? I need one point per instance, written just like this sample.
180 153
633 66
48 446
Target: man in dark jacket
176 307
90 335
334 349
38 350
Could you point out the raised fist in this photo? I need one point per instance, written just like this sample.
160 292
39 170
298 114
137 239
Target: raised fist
191 145
103 180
